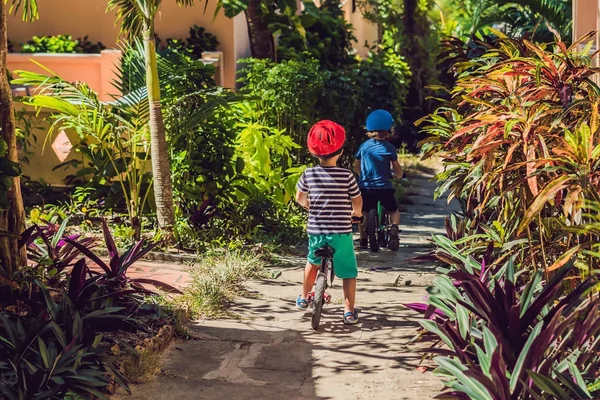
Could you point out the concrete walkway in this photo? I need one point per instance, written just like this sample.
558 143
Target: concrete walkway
271 352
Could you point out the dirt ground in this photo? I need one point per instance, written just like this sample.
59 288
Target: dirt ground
271 352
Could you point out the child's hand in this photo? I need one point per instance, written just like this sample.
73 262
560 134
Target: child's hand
357 213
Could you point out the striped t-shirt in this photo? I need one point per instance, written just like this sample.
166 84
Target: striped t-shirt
329 192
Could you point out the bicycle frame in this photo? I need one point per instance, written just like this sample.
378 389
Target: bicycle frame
326 252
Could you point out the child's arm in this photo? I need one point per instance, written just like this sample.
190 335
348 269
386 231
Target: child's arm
357 166
302 191
397 169
302 199
357 204
355 196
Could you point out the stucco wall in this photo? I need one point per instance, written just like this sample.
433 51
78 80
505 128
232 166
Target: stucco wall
364 31
586 18
79 18
97 70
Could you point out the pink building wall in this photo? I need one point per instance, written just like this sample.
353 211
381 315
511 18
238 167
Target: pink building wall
79 18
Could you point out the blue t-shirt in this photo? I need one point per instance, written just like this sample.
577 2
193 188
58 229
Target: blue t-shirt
375 158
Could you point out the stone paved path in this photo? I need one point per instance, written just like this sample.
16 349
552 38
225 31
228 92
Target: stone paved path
272 353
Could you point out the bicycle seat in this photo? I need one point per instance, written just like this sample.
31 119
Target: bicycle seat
324 252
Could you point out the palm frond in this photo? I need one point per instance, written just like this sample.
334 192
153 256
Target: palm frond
134 15
30 9
524 16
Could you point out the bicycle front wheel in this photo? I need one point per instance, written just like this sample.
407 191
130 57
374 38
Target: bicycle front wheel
318 300
372 229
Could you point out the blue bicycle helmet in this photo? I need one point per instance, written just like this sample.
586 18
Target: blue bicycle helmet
379 120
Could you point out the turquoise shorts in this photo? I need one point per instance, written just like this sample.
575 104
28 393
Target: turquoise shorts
344 259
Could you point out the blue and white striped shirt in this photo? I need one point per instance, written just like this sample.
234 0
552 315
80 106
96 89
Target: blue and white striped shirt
330 190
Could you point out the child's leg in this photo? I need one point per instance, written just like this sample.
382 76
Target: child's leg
349 294
395 217
310 275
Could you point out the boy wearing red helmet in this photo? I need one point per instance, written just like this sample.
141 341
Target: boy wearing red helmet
332 197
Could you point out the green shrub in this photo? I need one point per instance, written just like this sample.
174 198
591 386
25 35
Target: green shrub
327 36
286 93
198 41
61 44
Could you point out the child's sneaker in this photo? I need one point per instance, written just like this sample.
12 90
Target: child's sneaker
301 304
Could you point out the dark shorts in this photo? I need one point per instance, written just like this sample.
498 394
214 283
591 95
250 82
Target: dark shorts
386 197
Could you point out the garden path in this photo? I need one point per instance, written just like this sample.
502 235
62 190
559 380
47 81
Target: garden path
270 351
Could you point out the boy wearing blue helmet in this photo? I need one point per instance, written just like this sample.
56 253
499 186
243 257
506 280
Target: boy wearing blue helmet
374 162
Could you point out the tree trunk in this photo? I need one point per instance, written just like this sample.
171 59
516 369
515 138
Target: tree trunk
12 219
161 163
262 43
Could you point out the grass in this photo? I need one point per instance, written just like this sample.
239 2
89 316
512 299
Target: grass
216 279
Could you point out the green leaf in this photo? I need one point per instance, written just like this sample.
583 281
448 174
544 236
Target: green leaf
60 233
529 291
462 316
484 360
44 352
548 386
579 378
516 372
432 327
471 387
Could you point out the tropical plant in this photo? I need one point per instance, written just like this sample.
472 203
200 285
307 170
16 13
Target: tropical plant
267 162
197 42
47 248
522 171
504 342
137 21
286 93
260 15
407 29
464 19
115 272
325 36
202 129
113 134
39 362
525 19
518 309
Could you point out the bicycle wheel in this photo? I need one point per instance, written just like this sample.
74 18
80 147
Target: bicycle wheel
372 229
318 300
382 234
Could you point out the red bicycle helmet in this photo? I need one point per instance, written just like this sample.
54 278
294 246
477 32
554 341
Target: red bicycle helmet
325 138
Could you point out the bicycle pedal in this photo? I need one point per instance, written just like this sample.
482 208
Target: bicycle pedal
327 298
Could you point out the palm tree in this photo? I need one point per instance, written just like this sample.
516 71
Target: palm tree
12 216
137 18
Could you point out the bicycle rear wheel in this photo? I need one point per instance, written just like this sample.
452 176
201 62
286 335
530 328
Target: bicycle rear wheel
372 229
318 300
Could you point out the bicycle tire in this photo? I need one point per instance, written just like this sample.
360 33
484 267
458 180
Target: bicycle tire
393 244
372 229
382 234
318 300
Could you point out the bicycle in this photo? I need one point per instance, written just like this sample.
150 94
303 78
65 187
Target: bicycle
318 298
378 227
